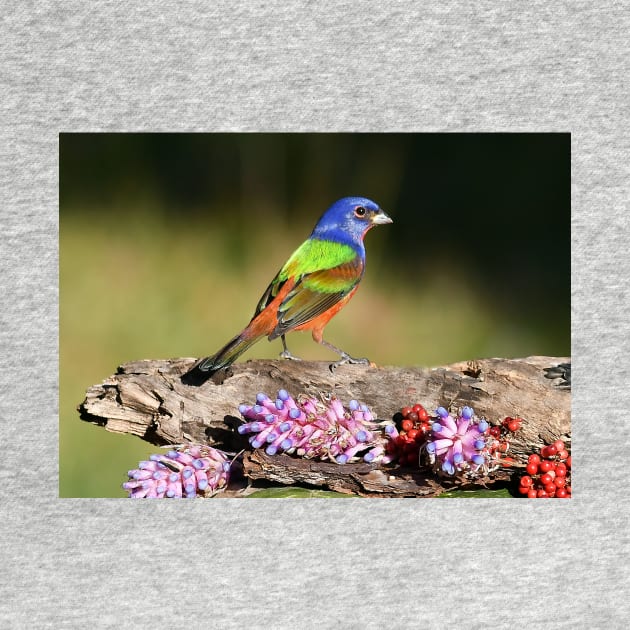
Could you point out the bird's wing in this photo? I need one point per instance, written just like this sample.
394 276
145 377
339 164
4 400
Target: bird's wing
269 295
312 257
314 293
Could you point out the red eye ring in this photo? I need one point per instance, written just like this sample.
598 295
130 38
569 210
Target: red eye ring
360 211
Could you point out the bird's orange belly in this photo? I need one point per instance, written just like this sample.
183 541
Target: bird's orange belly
318 323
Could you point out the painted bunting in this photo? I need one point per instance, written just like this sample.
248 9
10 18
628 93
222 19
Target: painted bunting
316 282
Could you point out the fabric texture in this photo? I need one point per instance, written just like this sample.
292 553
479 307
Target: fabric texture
326 66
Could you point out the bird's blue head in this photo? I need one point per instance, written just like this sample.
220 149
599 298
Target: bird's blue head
348 220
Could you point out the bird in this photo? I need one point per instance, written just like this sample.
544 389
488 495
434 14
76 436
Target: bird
315 283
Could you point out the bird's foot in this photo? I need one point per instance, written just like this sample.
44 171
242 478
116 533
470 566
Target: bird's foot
285 354
346 358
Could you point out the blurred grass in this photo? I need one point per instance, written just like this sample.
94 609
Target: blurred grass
142 283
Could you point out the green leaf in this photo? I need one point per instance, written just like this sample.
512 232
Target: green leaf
483 493
297 493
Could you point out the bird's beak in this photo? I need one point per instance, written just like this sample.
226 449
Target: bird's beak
380 218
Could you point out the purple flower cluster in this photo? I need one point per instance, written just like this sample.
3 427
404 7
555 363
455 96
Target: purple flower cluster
312 429
192 471
458 444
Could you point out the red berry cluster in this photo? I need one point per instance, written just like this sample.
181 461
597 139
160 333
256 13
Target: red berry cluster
499 446
415 426
548 474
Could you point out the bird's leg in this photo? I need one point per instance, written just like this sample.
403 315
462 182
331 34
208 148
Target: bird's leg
345 357
285 354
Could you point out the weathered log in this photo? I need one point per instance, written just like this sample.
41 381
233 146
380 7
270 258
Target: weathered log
148 399
361 478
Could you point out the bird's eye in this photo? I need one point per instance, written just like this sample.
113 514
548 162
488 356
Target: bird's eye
360 211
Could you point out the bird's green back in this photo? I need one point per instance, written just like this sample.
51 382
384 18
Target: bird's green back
317 255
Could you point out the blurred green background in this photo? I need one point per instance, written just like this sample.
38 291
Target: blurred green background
168 240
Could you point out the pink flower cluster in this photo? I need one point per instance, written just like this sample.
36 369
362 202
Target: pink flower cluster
193 471
458 444
311 428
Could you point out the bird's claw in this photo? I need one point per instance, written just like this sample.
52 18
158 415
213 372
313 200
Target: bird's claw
285 354
346 358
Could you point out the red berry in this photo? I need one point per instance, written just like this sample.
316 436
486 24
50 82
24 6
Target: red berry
546 478
514 425
550 489
532 469
561 493
563 454
405 411
532 493
560 482
559 444
413 416
526 481
423 415
495 431
507 421
406 425
541 494
551 450
543 452
413 433
417 408
568 462
523 489
508 461
533 459
568 489
561 470
545 466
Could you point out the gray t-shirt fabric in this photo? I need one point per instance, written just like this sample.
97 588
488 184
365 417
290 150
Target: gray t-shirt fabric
271 66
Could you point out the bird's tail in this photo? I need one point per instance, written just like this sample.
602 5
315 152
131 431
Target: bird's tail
205 368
